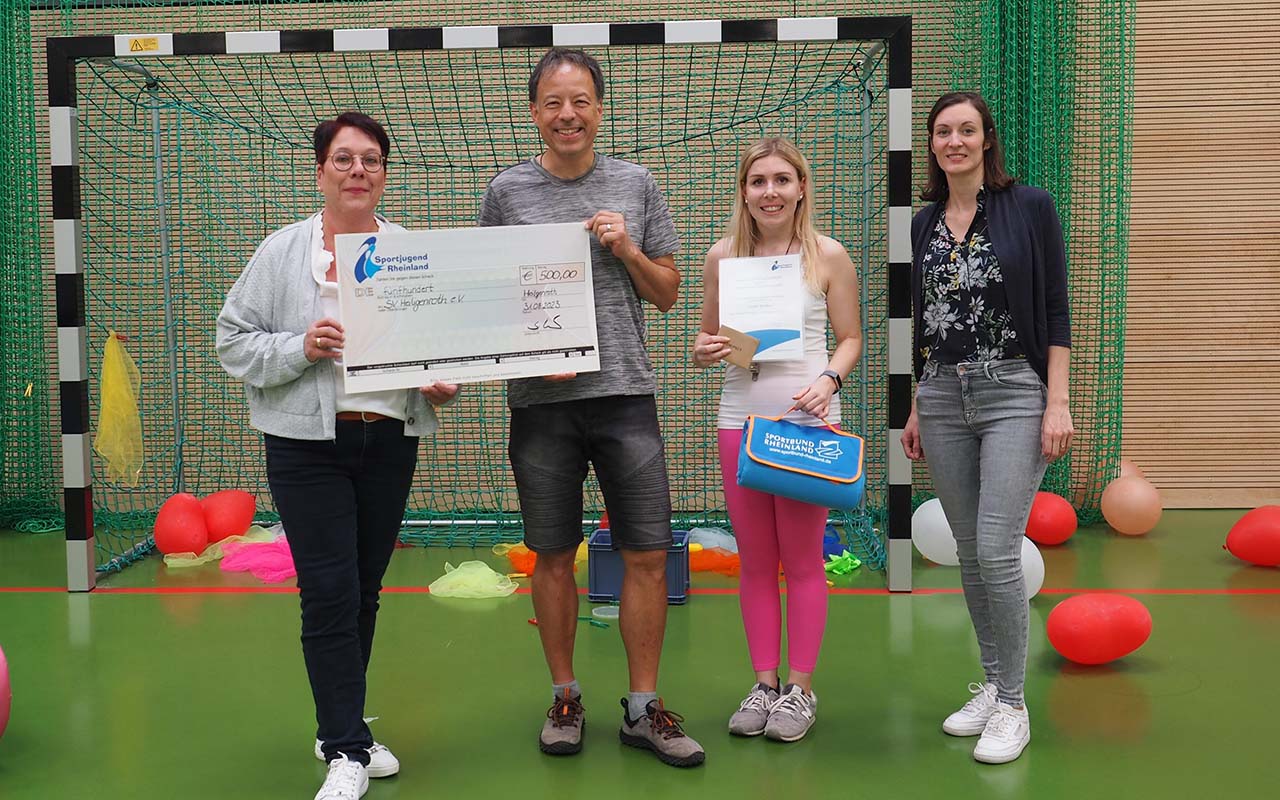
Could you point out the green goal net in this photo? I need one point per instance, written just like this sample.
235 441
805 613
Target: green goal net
235 160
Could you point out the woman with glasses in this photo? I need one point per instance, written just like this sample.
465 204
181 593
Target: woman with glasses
339 465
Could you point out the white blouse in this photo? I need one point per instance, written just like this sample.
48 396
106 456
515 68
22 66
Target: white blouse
390 402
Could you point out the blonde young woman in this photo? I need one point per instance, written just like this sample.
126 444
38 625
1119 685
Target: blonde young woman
773 215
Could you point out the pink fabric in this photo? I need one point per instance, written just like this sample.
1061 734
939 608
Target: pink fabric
270 562
772 529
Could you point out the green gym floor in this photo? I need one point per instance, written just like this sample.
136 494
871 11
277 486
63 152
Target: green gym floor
190 685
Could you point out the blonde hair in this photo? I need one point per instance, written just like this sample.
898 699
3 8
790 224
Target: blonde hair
743 233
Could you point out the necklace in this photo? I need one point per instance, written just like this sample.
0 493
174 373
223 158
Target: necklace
794 240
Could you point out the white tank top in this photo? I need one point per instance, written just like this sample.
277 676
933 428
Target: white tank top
771 392
389 403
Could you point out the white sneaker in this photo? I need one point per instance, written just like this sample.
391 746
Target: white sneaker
1007 734
382 762
972 718
792 714
347 780
753 713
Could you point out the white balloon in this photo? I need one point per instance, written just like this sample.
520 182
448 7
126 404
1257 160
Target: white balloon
931 534
1032 567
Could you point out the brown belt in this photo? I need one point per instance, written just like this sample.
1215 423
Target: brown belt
361 416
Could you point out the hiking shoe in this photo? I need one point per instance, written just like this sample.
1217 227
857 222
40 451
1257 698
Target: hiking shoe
753 712
1006 735
382 762
562 732
972 718
792 715
347 780
659 730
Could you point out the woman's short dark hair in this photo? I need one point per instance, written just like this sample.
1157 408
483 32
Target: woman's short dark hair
563 55
328 129
994 176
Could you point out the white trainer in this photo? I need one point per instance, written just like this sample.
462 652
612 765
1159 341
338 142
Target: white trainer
792 714
1007 734
972 717
382 762
347 780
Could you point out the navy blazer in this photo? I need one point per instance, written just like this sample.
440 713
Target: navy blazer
1026 236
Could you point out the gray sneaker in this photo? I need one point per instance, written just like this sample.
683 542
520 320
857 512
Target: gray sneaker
792 715
562 732
659 730
751 716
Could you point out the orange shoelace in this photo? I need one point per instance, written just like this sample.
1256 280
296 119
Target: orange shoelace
566 711
666 723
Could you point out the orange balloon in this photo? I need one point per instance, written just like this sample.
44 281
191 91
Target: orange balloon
1128 468
1131 505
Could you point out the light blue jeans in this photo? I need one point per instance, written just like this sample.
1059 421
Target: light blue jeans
980 430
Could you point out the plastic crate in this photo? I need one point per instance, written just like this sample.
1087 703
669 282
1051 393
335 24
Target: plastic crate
604 568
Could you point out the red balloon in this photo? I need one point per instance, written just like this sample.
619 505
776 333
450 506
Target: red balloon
1098 627
180 525
1052 519
228 513
1256 537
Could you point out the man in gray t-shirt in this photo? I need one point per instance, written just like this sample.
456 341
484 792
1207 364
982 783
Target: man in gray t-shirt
606 419
530 194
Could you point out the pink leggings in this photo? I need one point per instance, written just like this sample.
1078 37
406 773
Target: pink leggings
772 529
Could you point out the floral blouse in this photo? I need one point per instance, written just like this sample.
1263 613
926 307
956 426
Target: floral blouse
966 310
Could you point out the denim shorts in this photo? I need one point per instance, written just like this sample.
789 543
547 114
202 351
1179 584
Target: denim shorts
550 447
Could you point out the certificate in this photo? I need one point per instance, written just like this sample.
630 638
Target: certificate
764 298
465 305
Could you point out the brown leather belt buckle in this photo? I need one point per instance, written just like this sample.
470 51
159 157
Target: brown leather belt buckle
361 416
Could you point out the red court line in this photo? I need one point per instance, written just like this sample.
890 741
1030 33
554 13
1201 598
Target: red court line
171 590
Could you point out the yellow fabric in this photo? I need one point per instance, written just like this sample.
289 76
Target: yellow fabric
214 551
119 439
471 579
502 548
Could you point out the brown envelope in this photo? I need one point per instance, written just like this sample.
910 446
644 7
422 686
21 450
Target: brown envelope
743 346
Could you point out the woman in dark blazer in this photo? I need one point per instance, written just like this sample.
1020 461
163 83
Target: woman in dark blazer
992 345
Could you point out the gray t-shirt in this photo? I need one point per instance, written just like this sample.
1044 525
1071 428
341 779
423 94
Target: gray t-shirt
527 194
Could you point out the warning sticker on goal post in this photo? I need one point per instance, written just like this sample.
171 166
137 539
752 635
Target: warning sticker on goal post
144 44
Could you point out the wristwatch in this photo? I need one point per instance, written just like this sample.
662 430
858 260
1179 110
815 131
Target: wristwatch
835 376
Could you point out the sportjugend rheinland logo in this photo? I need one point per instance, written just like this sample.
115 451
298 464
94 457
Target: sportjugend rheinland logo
368 263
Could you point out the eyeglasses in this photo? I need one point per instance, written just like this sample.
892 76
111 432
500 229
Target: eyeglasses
343 161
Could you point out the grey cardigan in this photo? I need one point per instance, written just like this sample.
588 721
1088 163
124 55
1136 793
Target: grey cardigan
260 334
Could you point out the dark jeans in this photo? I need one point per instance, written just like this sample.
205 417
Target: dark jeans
552 444
341 503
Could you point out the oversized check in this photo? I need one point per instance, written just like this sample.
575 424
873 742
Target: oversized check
465 305
763 297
